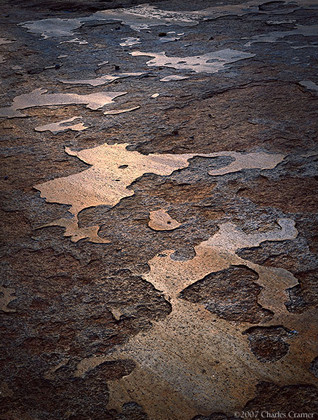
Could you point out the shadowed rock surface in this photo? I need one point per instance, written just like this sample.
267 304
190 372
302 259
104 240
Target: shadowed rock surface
231 294
269 343
106 312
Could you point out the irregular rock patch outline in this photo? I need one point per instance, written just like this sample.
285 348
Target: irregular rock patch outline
177 381
207 63
64 125
129 41
53 27
114 168
102 80
40 97
173 77
170 37
121 111
161 220
77 233
103 63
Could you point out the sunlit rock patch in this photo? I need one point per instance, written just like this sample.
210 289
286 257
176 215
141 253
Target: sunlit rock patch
173 77
73 124
121 111
53 27
4 41
102 80
114 168
145 16
161 220
129 41
75 232
176 381
41 97
208 63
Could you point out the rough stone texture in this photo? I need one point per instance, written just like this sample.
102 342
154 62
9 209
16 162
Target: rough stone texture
303 295
269 343
270 397
231 294
82 6
215 416
292 195
68 307
314 367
